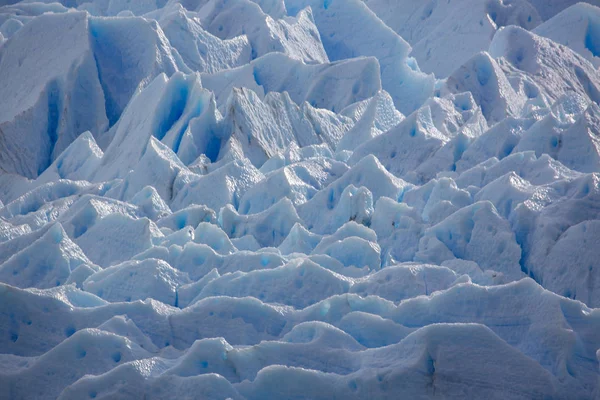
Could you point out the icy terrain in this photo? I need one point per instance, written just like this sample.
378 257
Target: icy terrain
300 199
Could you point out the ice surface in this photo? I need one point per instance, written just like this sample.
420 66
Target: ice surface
98 242
577 28
46 108
299 199
349 29
137 280
317 84
199 49
444 35
297 37
525 55
46 263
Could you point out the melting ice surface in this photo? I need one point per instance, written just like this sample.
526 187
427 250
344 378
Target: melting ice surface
299 199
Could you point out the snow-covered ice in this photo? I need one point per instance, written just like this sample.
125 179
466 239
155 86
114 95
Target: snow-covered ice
299 199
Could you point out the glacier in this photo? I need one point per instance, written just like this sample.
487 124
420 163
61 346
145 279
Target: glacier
299 199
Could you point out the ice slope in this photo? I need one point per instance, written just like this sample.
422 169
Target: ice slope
86 72
429 140
524 54
221 358
297 37
577 28
199 49
46 263
349 29
255 199
518 77
45 105
125 36
259 129
549 9
375 116
298 181
444 35
14 16
317 84
137 280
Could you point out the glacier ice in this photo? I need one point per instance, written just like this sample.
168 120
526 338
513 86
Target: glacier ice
299 199
443 35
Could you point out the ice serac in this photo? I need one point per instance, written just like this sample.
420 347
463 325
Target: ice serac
162 110
199 261
208 386
297 37
229 182
399 228
550 8
405 147
9 27
124 326
544 347
577 27
88 209
576 145
543 70
199 49
150 203
482 76
77 162
299 182
25 12
404 281
129 52
430 140
33 208
539 171
158 167
117 231
299 240
263 129
46 263
428 355
348 29
354 236
515 190
40 114
471 233
238 200
343 198
295 285
190 216
580 281
88 351
377 116
547 223
213 236
10 231
318 84
137 280
113 8
444 35
437 199
103 63
294 154
351 204
12 186
497 142
269 227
